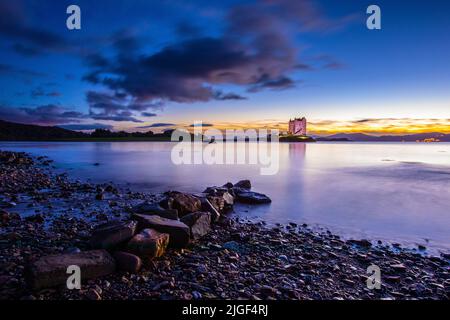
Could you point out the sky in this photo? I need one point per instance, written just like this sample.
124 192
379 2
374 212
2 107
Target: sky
140 65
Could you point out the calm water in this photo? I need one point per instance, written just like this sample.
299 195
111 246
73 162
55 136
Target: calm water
389 191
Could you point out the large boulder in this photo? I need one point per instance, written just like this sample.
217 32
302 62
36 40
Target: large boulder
126 261
244 184
183 202
177 230
199 223
50 271
155 209
111 234
149 243
250 197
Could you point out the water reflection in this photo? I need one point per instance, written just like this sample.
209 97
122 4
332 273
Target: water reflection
385 190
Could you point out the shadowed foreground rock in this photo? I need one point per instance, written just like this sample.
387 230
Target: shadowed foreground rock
199 223
183 202
178 231
149 243
50 271
127 261
113 233
251 197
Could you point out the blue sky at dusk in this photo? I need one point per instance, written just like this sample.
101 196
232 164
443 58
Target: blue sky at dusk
136 65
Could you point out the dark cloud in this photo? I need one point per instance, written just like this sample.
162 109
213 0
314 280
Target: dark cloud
40 92
9 69
89 126
157 125
187 30
257 50
46 114
25 50
116 107
273 84
329 62
13 25
201 125
148 114
219 95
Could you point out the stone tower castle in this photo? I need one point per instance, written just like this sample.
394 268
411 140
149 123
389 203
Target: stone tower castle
297 127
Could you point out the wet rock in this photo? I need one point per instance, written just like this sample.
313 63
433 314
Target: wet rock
228 185
183 202
155 209
362 243
244 184
179 233
127 261
149 243
50 271
217 202
38 218
251 197
113 233
199 223
4 217
208 207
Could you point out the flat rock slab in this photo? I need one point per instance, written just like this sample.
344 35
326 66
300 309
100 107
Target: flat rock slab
149 243
50 271
251 197
244 184
179 233
155 209
111 234
199 222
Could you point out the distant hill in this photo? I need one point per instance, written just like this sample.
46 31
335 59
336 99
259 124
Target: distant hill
390 138
16 131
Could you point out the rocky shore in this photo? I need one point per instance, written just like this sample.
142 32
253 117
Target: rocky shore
132 245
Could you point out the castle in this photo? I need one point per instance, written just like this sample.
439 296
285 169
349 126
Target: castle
297 127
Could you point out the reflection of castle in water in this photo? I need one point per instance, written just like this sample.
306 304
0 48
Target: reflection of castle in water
297 151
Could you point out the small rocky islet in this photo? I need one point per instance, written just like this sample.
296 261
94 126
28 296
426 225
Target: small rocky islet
132 245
